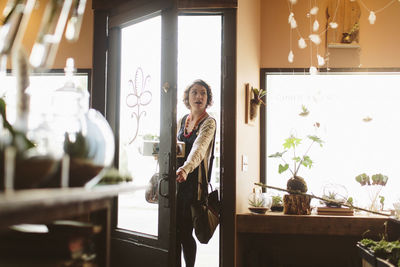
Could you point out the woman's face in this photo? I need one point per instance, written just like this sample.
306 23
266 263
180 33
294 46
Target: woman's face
198 97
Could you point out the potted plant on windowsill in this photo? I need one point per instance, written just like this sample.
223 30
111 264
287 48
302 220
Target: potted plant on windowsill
296 202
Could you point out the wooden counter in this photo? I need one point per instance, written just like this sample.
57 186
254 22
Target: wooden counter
275 239
279 223
46 205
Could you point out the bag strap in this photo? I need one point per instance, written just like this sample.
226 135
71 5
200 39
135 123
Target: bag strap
211 158
208 178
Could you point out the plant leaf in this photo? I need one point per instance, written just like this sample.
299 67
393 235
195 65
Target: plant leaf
307 162
283 168
291 142
297 159
277 154
316 139
363 179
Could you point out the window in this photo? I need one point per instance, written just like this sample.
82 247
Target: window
41 87
358 114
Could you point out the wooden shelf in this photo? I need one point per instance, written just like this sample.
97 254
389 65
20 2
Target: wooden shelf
343 46
46 205
37 205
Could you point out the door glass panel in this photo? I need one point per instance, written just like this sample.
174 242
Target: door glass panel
139 121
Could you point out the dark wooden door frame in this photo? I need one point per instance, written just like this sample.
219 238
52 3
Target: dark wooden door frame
228 117
228 141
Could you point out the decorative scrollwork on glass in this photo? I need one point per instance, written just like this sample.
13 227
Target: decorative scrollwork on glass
139 97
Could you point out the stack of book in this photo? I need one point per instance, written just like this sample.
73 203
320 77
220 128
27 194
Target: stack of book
59 244
335 211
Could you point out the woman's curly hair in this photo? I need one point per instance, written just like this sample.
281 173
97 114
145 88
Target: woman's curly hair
202 83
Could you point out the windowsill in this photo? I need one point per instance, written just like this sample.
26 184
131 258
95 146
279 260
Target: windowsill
279 223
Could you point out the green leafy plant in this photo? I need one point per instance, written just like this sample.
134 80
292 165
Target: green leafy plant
379 179
77 147
350 201
304 111
374 185
331 199
276 201
388 250
257 202
258 95
18 138
363 179
115 176
296 183
382 201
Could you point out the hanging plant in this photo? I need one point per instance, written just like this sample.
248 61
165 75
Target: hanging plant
256 101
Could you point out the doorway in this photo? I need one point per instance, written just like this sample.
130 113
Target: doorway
149 247
199 57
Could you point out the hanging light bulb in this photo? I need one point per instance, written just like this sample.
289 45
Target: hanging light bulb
321 60
333 25
290 56
372 17
292 21
315 25
315 38
302 43
50 33
313 70
75 22
314 10
293 1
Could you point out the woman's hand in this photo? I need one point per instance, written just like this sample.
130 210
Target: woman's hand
181 175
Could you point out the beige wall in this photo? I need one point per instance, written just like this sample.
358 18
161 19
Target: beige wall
263 42
81 50
379 42
248 66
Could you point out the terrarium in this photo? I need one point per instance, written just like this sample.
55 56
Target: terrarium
259 202
86 137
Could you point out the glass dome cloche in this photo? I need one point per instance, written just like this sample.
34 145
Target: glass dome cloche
86 136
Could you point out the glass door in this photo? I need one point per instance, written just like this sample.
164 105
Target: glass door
139 122
141 102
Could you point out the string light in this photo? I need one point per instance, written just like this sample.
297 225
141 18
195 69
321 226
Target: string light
315 38
372 13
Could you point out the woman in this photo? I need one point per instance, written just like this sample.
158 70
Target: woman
197 130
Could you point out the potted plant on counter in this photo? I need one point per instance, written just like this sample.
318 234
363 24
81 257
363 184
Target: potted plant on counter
295 202
277 203
373 186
